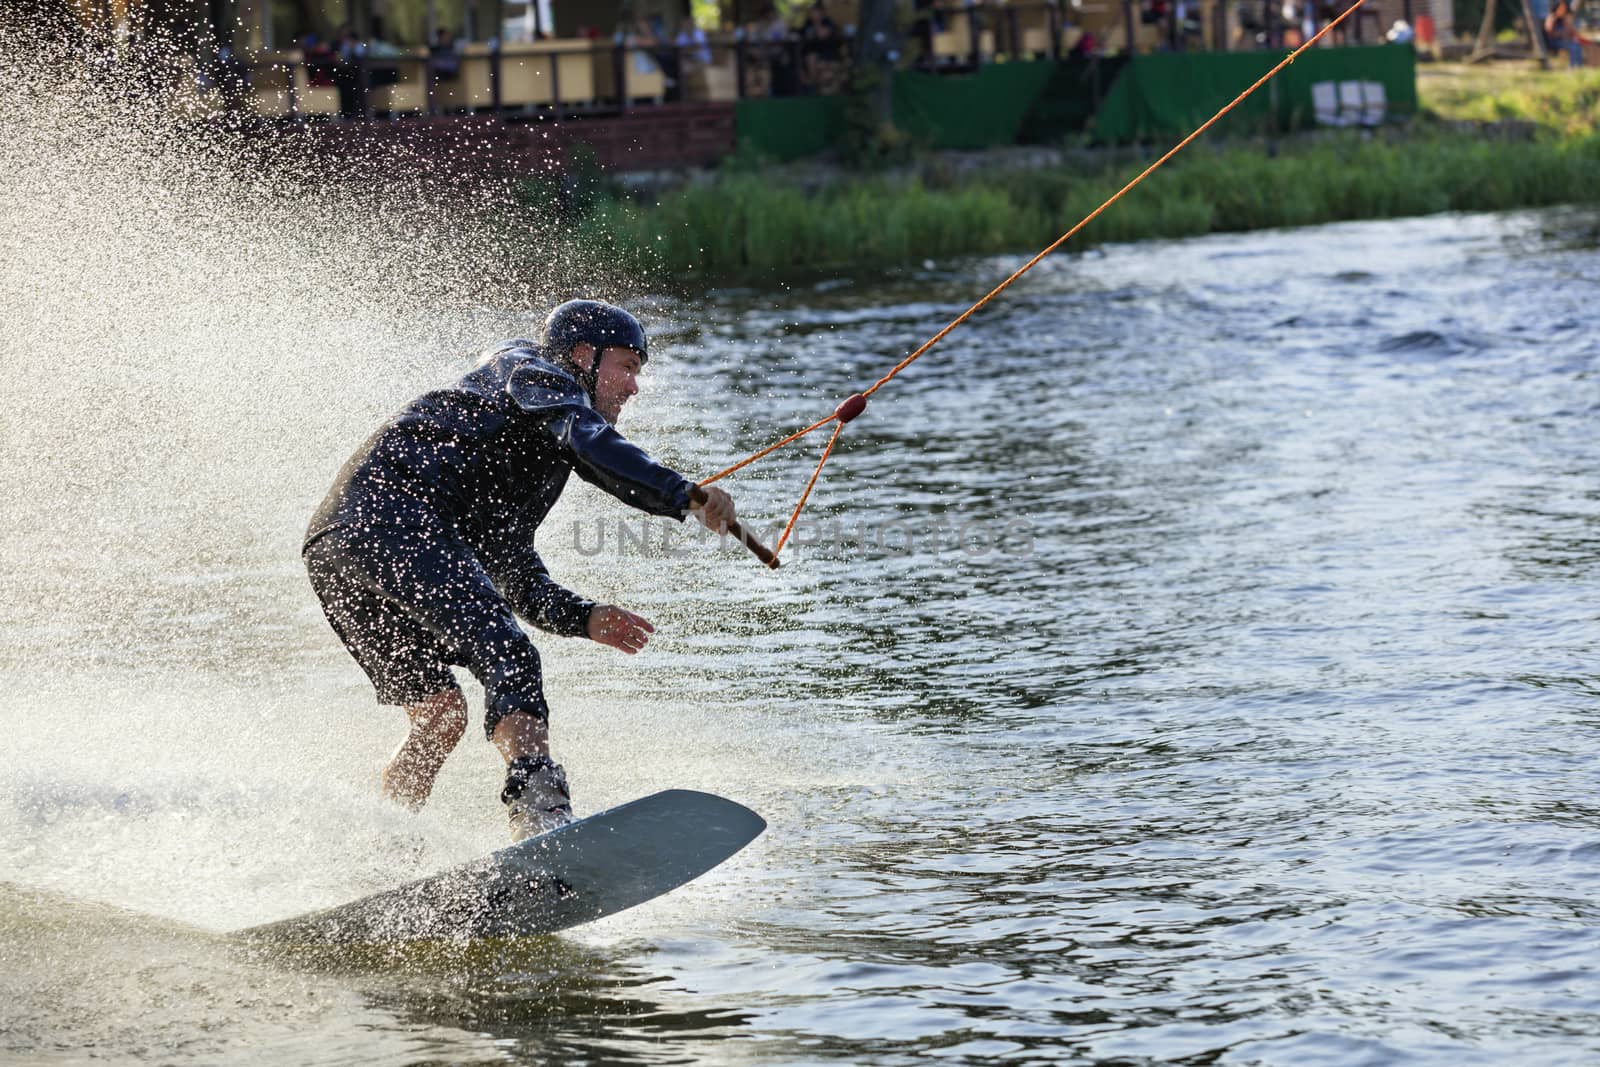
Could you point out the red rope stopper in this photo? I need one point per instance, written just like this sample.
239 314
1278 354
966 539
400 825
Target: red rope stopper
852 407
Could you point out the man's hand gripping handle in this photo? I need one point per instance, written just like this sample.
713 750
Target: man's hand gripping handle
719 516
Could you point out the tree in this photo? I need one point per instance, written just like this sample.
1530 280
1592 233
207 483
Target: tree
1486 34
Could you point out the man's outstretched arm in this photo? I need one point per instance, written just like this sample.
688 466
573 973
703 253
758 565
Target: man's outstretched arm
533 594
527 586
606 459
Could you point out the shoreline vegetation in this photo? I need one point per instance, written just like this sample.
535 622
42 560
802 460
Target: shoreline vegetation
1485 139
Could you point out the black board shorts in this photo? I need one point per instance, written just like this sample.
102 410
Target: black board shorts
409 604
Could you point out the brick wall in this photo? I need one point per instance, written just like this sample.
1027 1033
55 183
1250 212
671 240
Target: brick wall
665 137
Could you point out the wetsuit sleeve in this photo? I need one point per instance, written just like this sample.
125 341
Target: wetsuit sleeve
601 456
526 584
606 459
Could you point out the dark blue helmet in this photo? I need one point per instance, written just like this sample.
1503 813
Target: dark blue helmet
595 322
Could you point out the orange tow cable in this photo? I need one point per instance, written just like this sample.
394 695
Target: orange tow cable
858 402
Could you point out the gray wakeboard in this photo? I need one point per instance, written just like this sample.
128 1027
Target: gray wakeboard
583 871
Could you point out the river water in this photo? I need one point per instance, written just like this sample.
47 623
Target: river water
1189 660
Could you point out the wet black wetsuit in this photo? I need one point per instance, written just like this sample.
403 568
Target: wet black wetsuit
423 548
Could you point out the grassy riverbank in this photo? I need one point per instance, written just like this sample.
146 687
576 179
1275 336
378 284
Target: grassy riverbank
1488 140
1557 102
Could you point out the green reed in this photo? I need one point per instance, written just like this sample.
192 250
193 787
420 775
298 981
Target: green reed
745 225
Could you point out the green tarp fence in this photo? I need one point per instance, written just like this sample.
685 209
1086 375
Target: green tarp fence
997 104
1002 103
790 127
1164 97
1156 97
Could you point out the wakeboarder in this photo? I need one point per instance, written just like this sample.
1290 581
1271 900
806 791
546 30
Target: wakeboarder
422 553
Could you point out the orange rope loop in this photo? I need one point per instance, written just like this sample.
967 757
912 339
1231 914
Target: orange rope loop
826 452
850 408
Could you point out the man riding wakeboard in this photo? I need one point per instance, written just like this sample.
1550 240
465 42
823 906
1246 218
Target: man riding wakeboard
422 552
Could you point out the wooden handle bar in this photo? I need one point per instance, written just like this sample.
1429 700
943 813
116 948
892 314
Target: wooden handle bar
698 496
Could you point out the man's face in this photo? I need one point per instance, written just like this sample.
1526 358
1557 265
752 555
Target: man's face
617 381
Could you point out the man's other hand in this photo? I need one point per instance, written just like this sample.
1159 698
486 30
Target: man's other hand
610 625
717 512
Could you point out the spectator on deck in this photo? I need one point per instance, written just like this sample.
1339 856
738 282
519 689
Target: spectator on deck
443 56
770 25
346 44
692 43
1561 33
645 35
641 35
1249 25
782 58
821 51
1327 11
929 20
769 59
1189 31
347 71
228 74
376 50
320 59
360 67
